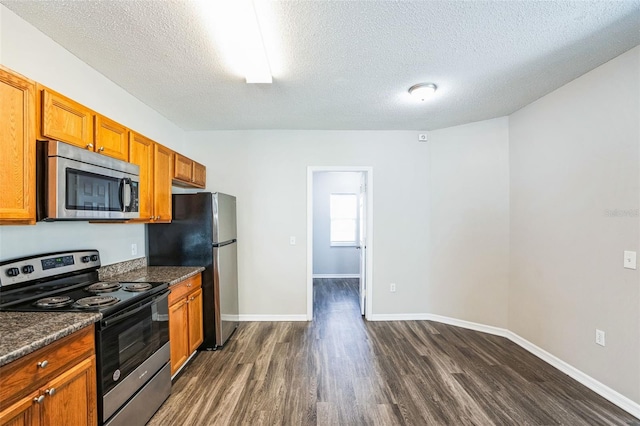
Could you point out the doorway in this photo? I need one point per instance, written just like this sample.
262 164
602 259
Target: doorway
346 247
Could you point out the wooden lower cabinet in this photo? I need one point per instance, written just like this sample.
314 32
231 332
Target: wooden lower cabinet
70 398
178 326
185 320
25 412
194 308
61 393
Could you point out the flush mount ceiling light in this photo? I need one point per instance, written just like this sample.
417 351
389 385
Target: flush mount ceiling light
423 91
237 33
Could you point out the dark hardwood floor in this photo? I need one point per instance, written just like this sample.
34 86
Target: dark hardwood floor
342 370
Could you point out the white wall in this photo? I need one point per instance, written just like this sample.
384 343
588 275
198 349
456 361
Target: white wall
328 259
575 175
469 188
266 170
29 52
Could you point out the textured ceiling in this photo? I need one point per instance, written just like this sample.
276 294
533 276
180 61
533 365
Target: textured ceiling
344 64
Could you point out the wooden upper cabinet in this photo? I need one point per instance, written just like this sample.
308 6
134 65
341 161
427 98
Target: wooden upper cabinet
188 173
17 148
111 138
66 120
141 153
162 172
199 175
182 168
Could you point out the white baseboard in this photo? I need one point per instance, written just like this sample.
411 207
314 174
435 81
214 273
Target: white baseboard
601 389
274 318
399 317
336 275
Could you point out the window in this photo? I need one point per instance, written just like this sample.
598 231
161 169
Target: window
343 210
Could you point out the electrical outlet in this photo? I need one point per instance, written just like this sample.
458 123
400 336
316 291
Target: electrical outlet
630 259
600 337
422 137
292 241
392 287
134 249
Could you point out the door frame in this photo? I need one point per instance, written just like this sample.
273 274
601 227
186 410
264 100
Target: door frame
368 176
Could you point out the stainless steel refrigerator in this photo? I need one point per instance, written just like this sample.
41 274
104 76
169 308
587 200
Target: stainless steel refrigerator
203 233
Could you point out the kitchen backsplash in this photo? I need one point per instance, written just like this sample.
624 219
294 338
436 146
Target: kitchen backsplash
108 271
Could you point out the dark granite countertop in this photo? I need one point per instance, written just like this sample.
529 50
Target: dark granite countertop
24 332
170 274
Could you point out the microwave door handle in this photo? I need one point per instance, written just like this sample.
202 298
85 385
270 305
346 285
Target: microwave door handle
128 200
121 195
125 194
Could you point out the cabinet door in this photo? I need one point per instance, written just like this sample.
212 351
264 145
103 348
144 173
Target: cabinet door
162 173
111 138
182 168
25 412
196 335
66 120
178 334
141 153
199 175
70 398
17 145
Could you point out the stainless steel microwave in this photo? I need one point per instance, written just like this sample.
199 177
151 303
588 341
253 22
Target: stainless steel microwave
77 184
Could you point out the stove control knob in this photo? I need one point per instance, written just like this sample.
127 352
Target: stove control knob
13 272
85 259
94 257
27 269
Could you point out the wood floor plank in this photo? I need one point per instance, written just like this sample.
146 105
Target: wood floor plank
342 370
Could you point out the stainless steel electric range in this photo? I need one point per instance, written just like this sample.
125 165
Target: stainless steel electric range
132 339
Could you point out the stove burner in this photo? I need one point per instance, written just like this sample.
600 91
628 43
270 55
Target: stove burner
97 301
103 287
137 287
53 302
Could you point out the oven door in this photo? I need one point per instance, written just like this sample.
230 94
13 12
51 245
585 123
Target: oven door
128 338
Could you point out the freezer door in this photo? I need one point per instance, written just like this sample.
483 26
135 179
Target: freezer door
225 270
224 217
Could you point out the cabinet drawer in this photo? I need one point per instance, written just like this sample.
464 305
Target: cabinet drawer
185 287
23 375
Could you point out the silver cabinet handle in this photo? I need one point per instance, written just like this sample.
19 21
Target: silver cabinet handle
50 391
43 364
151 218
90 146
39 399
101 149
157 217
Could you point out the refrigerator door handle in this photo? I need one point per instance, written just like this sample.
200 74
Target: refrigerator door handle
226 243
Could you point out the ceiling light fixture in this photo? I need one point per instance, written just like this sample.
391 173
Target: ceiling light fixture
423 91
236 29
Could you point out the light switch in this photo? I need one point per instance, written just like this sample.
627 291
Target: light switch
630 259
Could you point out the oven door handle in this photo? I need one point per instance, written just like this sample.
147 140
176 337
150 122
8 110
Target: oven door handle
111 321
